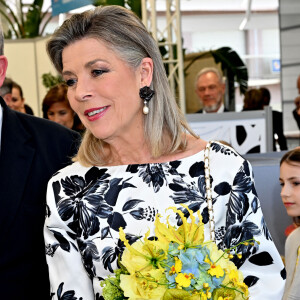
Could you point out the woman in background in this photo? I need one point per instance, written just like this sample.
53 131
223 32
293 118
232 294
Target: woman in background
253 100
56 108
18 101
290 194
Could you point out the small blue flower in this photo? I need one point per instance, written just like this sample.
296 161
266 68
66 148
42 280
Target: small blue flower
173 249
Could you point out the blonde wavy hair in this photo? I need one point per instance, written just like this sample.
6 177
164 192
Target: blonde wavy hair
123 32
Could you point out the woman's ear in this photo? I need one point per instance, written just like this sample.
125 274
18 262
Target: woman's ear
146 71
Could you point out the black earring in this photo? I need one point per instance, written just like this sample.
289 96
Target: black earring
146 94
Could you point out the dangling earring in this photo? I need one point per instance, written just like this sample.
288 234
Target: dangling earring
146 94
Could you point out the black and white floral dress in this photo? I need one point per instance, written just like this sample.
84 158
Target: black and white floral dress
86 207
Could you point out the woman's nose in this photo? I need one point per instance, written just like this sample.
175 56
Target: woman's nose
284 191
57 119
83 89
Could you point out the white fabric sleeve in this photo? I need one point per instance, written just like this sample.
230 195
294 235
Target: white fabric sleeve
68 277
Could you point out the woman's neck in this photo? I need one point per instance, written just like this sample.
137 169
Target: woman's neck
139 152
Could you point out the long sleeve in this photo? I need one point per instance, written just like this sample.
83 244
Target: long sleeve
261 264
68 276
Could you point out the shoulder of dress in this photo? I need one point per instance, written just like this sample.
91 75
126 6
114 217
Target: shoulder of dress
74 169
220 150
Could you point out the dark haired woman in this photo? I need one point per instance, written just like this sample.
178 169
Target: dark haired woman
290 194
56 108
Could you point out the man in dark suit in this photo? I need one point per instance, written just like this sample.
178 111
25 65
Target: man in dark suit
32 149
277 122
210 89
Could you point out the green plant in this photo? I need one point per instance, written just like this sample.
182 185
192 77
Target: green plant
134 5
25 25
50 80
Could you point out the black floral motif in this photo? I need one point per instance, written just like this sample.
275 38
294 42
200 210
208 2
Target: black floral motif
223 149
238 204
251 280
193 194
185 192
265 229
83 201
89 253
63 243
68 295
238 233
115 187
150 173
153 174
110 254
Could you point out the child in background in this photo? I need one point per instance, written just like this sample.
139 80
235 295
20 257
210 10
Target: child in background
290 194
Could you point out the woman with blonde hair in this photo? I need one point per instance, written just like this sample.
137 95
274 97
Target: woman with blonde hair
139 157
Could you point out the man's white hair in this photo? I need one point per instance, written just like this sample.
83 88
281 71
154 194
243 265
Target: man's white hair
208 70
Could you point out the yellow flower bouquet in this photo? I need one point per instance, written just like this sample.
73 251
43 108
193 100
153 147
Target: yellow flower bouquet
178 264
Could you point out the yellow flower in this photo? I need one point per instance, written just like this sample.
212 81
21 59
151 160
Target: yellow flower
183 280
244 288
216 270
145 285
176 268
142 255
178 265
203 296
224 294
188 234
233 275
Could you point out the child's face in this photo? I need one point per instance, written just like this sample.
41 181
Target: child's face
290 187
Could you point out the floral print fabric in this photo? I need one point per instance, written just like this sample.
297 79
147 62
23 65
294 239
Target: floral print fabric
87 206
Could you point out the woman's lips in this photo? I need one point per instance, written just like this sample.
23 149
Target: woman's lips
287 204
95 113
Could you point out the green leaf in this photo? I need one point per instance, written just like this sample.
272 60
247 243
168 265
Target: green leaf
26 25
176 294
109 2
50 80
234 66
136 7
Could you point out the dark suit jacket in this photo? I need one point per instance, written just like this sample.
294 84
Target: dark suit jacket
296 117
278 129
32 149
201 111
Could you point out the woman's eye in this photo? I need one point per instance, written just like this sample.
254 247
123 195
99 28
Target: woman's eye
296 183
70 82
96 73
